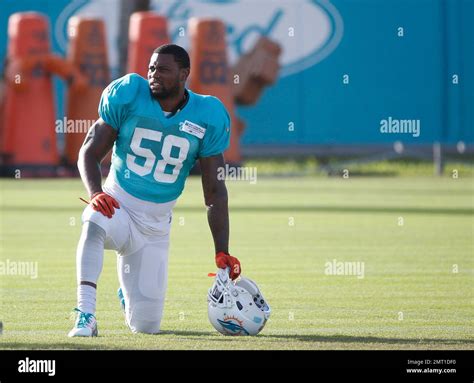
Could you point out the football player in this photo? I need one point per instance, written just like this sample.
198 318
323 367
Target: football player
158 129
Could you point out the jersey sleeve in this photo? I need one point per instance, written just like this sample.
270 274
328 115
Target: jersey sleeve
217 137
117 98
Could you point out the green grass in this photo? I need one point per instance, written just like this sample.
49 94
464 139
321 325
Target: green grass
397 167
409 298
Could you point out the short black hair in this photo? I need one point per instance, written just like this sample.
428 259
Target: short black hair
179 53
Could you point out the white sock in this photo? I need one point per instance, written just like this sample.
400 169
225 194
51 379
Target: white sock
86 297
89 260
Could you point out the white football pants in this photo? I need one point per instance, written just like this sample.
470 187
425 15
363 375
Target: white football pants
142 257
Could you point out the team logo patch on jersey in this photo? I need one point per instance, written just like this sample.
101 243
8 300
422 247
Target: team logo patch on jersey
192 128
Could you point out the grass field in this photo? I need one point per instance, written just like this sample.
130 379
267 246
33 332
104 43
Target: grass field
414 235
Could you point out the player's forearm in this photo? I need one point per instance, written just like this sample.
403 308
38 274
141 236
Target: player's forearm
89 169
99 140
218 218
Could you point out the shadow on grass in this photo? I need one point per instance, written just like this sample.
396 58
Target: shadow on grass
213 336
5 346
369 339
217 338
328 338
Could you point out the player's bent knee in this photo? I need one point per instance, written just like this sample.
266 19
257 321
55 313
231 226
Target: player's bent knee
145 317
145 328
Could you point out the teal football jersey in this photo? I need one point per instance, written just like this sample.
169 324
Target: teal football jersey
153 154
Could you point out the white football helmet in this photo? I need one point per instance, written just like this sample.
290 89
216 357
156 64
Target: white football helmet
236 308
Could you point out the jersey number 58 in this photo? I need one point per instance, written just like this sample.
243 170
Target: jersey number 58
150 159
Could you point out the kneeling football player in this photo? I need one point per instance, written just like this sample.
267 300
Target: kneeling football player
157 129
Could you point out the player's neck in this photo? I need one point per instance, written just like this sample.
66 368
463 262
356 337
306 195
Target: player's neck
170 104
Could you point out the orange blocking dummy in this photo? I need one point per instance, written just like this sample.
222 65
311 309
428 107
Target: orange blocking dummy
147 31
88 52
210 72
29 137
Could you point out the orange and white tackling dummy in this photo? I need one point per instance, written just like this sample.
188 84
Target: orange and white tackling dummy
29 136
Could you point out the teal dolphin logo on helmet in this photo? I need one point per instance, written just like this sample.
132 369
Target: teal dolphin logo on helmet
232 327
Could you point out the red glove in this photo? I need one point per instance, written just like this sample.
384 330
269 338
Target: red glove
104 203
224 260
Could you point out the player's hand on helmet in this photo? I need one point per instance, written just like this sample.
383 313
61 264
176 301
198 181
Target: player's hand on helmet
104 204
224 260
